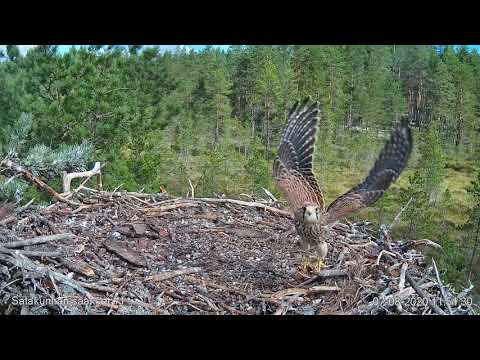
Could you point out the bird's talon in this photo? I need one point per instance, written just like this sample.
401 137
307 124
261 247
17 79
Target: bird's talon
320 265
305 265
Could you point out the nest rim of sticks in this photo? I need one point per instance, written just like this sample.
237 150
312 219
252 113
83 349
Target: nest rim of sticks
137 253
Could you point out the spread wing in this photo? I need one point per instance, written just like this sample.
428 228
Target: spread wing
292 169
387 169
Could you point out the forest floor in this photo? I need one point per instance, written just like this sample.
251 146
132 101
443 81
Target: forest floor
127 253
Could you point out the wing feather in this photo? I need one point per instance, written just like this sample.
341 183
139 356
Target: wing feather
387 169
292 168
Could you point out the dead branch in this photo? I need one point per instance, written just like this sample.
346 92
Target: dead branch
165 208
79 267
279 295
442 289
67 178
322 288
37 240
397 217
395 298
270 195
115 194
341 257
251 204
383 252
191 189
28 176
105 289
23 262
414 243
403 271
324 274
424 295
50 254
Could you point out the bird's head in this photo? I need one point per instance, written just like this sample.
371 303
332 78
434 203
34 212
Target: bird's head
311 214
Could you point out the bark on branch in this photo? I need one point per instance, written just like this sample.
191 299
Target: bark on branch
41 185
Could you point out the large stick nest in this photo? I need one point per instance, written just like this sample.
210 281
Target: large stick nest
151 254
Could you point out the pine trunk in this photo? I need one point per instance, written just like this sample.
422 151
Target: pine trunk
267 125
217 128
458 137
253 123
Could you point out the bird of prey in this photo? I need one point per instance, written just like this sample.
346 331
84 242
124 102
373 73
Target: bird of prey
293 172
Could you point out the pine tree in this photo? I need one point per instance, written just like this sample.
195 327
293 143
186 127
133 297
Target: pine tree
420 215
13 52
425 187
217 90
414 64
464 103
432 164
268 91
444 100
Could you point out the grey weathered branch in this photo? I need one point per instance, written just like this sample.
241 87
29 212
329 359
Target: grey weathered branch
250 204
192 189
23 262
397 217
424 295
395 298
50 254
442 289
37 240
270 195
67 178
325 274
114 194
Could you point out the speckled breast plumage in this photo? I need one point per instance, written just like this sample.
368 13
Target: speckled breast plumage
310 234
